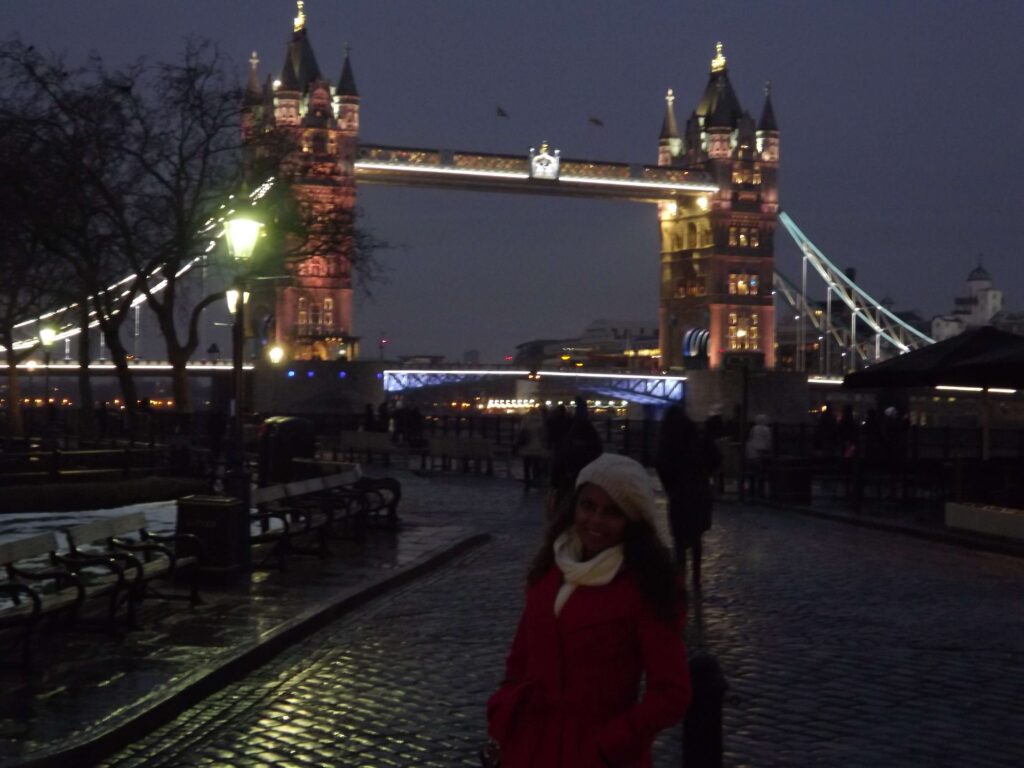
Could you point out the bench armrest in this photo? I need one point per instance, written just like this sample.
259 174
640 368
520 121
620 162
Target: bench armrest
191 542
17 591
117 562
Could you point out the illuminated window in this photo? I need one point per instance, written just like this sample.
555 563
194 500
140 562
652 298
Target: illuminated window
314 314
755 237
303 312
743 332
732 236
754 284
742 284
743 238
329 312
757 176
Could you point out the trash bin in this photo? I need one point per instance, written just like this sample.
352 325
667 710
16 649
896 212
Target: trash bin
221 524
283 438
789 480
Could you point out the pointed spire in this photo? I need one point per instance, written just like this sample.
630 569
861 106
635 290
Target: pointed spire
767 121
722 115
253 90
718 63
669 130
347 81
300 66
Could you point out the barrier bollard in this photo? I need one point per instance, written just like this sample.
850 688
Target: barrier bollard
702 725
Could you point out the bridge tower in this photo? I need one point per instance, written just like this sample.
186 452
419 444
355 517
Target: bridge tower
309 315
717 253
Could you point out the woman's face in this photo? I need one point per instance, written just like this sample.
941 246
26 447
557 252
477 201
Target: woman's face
598 520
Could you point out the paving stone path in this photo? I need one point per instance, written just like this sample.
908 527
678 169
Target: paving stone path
842 646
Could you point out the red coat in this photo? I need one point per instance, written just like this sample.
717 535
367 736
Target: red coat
572 682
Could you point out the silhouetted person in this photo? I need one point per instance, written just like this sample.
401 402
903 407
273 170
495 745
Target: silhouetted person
369 420
849 433
687 459
826 433
383 416
758 452
579 445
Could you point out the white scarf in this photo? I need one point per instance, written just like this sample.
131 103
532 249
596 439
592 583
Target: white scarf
595 572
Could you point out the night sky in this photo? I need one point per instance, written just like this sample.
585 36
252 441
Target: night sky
902 128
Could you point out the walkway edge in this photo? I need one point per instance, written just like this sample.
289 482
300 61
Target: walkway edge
206 682
967 540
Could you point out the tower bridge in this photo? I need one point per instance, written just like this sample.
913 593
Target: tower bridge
714 186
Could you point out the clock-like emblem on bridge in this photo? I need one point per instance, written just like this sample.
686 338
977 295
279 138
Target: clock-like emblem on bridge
544 163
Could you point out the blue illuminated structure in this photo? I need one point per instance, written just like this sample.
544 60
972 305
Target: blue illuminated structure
646 390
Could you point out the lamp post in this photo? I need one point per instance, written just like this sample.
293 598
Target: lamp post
240 233
47 336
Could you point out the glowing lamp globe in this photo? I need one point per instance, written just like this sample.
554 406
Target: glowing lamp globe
47 336
241 234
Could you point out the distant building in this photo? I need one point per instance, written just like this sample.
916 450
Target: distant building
605 343
983 305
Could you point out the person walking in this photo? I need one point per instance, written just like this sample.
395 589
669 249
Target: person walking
758 452
531 444
687 460
602 615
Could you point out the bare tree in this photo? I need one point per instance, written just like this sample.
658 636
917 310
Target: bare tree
28 277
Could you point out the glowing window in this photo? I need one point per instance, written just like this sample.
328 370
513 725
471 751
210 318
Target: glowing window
743 238
732 236
314 314
329 312
303 311
755 238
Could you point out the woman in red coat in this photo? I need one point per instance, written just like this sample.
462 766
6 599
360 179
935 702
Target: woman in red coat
601 615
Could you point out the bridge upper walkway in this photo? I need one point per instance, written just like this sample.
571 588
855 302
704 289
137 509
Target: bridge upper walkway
513 173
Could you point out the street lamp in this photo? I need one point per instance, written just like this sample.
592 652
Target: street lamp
47 336
240 233
276 354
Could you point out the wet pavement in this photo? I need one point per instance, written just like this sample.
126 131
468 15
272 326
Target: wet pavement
87 692
842 645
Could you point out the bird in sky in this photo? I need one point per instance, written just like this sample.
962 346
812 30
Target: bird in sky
596 121
502 113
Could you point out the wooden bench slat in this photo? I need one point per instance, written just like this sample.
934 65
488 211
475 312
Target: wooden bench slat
105 527
24 549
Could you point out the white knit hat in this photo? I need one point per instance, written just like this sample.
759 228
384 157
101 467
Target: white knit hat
629 486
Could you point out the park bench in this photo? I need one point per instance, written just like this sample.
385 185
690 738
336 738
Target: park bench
38 467
464 452
367 445
146 557
35 587
42 583
310 508
366 501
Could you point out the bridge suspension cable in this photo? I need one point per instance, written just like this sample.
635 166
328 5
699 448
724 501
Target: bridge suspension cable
67 329
885 325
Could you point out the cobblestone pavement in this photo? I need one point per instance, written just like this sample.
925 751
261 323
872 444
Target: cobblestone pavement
842 646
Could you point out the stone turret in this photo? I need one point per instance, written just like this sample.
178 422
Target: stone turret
311 315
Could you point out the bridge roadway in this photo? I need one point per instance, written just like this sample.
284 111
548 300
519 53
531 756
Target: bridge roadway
842 645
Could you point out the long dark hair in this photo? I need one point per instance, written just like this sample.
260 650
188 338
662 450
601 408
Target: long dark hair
646 558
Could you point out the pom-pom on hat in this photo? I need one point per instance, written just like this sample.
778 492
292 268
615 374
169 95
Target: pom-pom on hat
629 486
